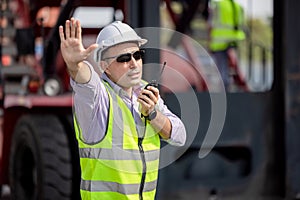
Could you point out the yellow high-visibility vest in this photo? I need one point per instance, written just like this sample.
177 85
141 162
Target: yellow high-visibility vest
122 165
227 22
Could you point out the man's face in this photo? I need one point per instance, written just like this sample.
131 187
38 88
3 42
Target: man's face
125 74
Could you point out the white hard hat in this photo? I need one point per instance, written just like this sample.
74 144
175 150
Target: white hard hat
113 34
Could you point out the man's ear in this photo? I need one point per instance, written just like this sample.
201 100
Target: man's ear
103 65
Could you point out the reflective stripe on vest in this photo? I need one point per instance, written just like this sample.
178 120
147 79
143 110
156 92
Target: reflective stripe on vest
223 25
119 154
105 186
112 168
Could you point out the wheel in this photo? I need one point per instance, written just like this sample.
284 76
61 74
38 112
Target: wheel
40 160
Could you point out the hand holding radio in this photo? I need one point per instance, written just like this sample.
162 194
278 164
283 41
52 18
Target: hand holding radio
149 96
154 83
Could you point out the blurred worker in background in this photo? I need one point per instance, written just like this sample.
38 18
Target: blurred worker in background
226 21
24 32
118 122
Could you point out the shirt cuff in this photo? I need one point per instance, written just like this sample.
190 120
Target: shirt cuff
178 133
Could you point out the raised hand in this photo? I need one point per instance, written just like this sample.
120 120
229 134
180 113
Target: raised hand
71 45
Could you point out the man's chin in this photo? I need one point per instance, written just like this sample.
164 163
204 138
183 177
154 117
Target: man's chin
130 83
135 82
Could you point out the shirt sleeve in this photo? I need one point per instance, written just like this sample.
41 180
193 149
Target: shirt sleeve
178 133
91 107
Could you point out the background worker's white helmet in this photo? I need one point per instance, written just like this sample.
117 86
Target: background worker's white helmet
113 34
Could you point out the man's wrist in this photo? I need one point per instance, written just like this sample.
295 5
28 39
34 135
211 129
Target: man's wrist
73 73
80 74
152 115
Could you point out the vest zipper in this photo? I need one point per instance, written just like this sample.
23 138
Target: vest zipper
140 140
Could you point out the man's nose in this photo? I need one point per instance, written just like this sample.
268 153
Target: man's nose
133 63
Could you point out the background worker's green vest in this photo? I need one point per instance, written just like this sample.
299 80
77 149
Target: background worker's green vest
227 22
117 167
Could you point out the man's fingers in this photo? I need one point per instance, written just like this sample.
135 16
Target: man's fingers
151 94
73 27
67 29
78 30
147 99
72 39
61 33
144 103
154 90
91 48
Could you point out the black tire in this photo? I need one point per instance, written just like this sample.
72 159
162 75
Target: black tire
40 160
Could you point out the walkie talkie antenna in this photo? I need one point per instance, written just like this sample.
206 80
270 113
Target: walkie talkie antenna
154 83
161 71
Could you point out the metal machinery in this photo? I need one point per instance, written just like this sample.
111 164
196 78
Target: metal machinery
255 157
38 150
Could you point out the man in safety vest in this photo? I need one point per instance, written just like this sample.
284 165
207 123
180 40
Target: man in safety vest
118 122
226 20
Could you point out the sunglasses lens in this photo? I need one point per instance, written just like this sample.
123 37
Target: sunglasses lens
138 54
127 57
124 58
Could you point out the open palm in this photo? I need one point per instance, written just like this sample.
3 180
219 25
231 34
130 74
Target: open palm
71 45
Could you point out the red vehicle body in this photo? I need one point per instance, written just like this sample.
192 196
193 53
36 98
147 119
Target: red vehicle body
38 149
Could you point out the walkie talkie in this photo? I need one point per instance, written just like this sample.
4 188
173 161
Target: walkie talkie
154 83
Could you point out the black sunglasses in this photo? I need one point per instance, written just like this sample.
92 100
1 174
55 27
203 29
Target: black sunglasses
126 57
